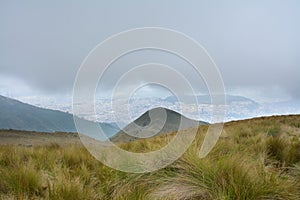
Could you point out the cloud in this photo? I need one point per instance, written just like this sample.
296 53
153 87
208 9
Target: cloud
255 44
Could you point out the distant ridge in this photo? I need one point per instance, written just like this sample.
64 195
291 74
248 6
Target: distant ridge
22 116
206 99
143 126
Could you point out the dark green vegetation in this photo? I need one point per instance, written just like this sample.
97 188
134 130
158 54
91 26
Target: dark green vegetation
157 125
21 116
254 159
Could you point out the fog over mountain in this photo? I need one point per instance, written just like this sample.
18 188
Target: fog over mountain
255 44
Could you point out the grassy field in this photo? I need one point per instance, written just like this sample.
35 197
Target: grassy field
254 159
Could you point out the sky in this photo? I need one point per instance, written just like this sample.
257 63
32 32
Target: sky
254 43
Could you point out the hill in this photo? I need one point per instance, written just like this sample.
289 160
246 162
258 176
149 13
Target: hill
143 127
21 116
254 159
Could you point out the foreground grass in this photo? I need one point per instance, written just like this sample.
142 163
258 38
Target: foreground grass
254 159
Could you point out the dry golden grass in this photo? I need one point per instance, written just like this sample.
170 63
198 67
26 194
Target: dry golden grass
254 159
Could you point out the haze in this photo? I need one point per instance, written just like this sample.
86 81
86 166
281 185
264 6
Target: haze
255 44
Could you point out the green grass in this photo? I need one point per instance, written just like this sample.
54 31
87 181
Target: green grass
247 163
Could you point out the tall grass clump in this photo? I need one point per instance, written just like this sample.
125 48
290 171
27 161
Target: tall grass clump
23 181
257 159
283 151
231 177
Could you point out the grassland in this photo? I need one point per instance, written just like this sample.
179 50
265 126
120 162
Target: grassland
254 159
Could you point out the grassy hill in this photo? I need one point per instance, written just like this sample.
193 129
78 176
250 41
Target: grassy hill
21 116
254 159
143 126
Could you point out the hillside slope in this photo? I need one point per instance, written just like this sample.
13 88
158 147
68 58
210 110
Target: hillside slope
253 159
143 127
21 116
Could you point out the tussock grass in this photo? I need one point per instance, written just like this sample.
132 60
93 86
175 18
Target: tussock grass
21 181
283 151
247 163
231 177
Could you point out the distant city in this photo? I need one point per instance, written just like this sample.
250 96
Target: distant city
238 107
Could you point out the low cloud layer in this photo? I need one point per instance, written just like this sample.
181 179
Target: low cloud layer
255 44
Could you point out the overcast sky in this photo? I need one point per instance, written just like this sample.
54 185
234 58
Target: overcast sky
255 43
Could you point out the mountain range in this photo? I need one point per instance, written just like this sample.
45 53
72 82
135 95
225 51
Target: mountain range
17 115
206 99
21 116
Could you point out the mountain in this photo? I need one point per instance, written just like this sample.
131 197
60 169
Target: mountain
144 127
21 116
